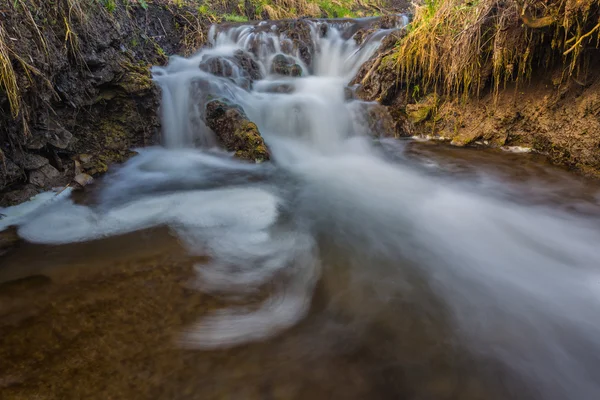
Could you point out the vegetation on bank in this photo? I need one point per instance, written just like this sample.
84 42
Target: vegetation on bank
459 47
68 19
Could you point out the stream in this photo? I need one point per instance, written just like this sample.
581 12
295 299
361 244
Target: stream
348 267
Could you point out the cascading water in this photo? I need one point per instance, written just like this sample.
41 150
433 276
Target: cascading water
515 284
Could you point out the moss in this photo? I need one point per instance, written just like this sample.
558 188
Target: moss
254 147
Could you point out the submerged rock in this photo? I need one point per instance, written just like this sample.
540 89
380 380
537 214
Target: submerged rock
235 132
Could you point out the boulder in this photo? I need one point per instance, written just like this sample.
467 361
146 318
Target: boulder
235 132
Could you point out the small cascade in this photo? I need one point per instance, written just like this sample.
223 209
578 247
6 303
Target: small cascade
288 76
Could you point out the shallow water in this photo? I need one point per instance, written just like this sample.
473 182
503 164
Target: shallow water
349 267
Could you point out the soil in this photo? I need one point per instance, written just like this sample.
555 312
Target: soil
549 115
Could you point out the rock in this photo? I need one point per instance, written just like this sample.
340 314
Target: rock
235 132
83 179
284 65
422 110
18 196
60 138
9 171
241 68
348 93
44 177
29 161
378 77
36 141
85 158
380 121
278 88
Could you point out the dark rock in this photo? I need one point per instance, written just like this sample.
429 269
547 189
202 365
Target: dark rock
9 171
284 65
60 138
29 161
235 132
44 177
36 141
241 68
18 196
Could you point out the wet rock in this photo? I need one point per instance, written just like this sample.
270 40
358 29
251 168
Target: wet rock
349 94
60 138
247 63
283 65
362 34
377 79
18 196
44 177
278 88
29 161
380 121
241 68
299 38
235 132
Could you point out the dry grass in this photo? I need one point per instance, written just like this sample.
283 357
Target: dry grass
8 79
459 46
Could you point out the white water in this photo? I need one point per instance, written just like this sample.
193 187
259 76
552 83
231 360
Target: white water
520 284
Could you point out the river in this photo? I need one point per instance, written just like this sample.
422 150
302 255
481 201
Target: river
348 267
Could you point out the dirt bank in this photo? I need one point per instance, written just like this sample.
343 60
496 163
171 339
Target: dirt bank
512 75
76 91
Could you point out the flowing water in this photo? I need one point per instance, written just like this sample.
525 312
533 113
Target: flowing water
347 267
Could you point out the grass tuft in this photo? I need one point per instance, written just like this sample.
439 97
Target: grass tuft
460 46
